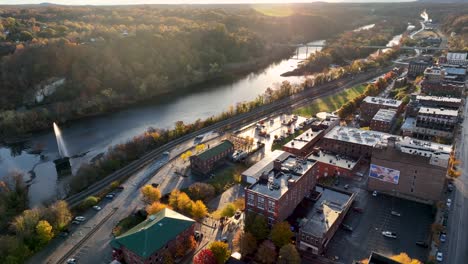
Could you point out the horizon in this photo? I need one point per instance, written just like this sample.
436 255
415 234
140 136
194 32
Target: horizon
181 2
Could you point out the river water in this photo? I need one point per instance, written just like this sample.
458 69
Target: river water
94 135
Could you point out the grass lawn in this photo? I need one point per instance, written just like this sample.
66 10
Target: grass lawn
330 103
226 176
128 222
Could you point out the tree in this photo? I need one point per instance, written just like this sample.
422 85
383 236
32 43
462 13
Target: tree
281 234
44 232
205 256
200 147
405 259
61 214
184 203
89 201
190 243
257 225
155 207
266 252
228 210
288 255
220 251
244 242
199 210
201 191
150 194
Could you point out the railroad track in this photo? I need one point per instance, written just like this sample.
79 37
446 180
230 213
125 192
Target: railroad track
291 102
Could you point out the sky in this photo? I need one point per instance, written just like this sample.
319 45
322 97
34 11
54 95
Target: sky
133 2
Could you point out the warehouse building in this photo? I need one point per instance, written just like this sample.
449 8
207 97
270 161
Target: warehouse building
205 162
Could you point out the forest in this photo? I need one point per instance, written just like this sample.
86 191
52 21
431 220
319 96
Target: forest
110 57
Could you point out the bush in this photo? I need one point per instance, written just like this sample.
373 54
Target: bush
89 202
201 191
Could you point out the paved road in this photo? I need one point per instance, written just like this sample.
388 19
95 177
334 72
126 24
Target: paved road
456 248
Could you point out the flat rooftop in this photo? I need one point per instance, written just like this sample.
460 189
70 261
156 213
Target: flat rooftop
409 124
333 159
325 211
275 183
385 115
455 71
438 99
303 139
437 111
265 164
383 101
424 148
357 136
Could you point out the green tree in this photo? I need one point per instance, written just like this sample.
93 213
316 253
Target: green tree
220 251
89 202
281 234
257 225
288 255
266 253
44 232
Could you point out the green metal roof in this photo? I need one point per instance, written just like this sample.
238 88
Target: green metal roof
152 234
221 147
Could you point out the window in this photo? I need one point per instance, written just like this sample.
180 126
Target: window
271 206
261 203
250 199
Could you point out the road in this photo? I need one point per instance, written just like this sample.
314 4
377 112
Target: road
456 248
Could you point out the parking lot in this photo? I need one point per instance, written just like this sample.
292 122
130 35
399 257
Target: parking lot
412 225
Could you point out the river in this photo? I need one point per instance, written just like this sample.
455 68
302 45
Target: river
94 135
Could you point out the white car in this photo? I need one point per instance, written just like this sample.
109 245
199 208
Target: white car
449 202
374 193
440 256
395 213
97 208
71 261
443 238
80 218
389 234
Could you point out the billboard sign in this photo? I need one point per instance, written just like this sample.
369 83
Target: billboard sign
384 174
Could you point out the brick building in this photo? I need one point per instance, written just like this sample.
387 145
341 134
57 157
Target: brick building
323 219
149 241
443 88
371 105
329 164
205 162
434 74
383 120
409 168
303 144
457 58
281 187
434 122
416 68
352 142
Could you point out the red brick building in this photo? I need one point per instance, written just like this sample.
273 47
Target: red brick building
329 164
371 105
206 161
443 88
157 236
303 144
279 190
383 120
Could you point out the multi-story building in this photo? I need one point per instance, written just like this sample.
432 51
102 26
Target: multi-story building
457 58
416 68
323 218
303 144
443 88
434 74
409 168
352 142
457 74
434 122
149 241
280 189
330 164
371 105
418 101
205 162
383 120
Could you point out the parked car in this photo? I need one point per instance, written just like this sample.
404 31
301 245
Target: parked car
395 213
80 218
450 187
389 234
440 256
346 186
155 185
71 261
422 244
374 193
120 187
166 153
97 208
76 222
224 239
110 196
358 209
449 202
443 238
347 227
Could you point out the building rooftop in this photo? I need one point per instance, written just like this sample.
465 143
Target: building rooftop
154 233
434 71
382 101
376 258
300 141
385 115
456 56
455 71
438 98
275 183
265 165
409 124
357 136
336 160
213 151
437 111
325 211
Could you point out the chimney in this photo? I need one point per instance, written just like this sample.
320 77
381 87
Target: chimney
277 164
291 183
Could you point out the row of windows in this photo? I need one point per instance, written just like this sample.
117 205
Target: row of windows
260 202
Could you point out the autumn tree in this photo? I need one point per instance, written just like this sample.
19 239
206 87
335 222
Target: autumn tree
201 191
281 234
199 210
150 194
200 147
220 251
155 208
190 243
205 256
405 259
174 198
228 210
44 232
244 242
288 255
266 253
61 214
184 203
